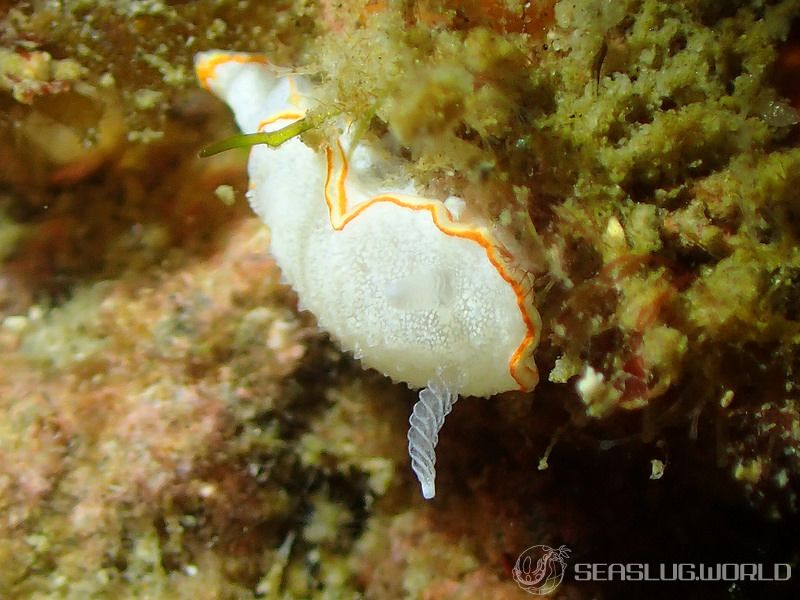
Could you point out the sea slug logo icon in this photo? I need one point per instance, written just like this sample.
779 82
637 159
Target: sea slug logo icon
540 569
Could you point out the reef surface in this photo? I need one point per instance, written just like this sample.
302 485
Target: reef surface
172 426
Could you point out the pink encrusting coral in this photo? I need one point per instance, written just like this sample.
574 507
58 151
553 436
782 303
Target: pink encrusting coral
128 380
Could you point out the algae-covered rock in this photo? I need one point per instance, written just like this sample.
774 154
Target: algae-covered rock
171 425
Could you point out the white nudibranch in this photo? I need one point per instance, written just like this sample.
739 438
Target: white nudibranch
395 277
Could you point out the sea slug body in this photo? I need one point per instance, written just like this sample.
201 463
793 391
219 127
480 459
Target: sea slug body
395 277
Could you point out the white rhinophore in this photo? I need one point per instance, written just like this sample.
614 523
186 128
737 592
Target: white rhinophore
434 404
